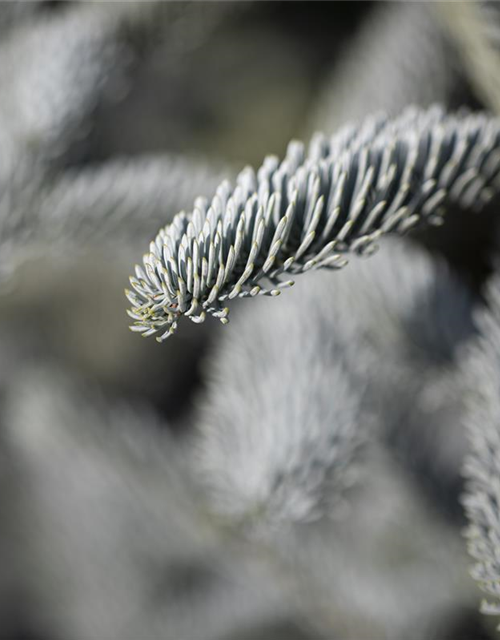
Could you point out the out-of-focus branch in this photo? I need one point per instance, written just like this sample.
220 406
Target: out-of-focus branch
476 28
400 56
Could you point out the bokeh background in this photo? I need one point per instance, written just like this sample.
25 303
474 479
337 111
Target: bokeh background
115 116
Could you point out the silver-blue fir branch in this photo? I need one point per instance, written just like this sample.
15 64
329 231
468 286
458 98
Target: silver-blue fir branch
482 466
339 196
476 28
125 198
293 404
400 56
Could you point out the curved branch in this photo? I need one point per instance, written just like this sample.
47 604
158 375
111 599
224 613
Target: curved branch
309 210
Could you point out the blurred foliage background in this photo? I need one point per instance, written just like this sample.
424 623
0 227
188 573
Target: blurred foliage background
98 538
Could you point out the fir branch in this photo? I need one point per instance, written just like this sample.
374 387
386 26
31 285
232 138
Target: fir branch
284 426
298 388
311 209
386 568
409 314
55 69
482 467
399 56
476 28
52 71
124 197
124 200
